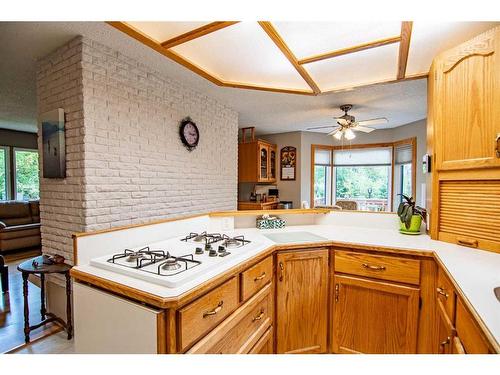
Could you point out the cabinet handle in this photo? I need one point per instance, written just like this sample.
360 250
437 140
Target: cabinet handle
442 292
497 141
260 277
373 268
281 271
260 316
443 344
337 292
214 311
469 243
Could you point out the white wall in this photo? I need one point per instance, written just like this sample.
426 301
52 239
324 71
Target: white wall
125 161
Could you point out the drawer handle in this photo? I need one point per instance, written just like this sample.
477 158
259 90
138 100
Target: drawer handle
281 271
442 292
373 268
214 311
469 243
258 278
259 317
497 141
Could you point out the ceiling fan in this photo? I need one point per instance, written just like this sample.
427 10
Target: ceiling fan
347 123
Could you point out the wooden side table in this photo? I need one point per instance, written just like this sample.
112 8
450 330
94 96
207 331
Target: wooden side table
37 266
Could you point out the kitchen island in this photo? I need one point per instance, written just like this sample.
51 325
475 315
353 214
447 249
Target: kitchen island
299 293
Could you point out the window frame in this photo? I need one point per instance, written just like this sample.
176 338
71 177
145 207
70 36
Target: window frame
14 170
8 187
411 141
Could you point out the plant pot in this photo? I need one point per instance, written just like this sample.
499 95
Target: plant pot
416 222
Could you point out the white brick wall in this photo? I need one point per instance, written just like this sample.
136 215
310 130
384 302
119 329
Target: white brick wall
126 163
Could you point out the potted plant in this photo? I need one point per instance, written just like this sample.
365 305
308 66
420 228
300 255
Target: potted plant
410 215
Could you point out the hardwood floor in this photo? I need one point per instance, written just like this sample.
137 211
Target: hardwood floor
11 306
57 343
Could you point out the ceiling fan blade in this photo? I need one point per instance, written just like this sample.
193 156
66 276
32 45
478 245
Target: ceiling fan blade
373 121
322 127
363 129
334 131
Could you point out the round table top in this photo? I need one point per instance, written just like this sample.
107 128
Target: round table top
28 266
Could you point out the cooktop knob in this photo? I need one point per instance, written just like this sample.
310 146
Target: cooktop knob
208 247
212 253
198 250
222 249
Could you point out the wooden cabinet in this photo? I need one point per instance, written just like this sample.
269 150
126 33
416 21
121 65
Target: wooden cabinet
302 301
257 162
265 344
467 104
464 139
374 316
468 331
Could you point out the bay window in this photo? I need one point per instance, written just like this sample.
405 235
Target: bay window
363 177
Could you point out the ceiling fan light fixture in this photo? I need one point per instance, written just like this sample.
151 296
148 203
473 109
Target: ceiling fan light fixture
338 135
349 134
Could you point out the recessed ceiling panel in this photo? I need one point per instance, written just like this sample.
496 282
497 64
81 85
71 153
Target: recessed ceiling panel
306 39
430 38
373 65
162 31
243 53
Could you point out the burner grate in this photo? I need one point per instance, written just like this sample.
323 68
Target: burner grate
138 258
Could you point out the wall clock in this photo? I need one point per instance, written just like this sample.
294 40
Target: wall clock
189 133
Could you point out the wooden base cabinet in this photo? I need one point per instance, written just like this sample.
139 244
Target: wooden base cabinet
302 301
374 316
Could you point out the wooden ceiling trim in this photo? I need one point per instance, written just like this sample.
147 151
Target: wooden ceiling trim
249 86
345 51
280 43
384 82
404 48
197 33
150 42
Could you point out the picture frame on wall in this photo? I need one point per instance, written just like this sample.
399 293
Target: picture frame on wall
288 163
53 143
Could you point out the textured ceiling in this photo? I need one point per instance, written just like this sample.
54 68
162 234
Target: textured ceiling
24 42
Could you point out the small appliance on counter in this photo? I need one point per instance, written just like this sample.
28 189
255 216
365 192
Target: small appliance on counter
270 222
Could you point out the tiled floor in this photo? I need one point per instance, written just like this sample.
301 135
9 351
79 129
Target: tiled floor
11 308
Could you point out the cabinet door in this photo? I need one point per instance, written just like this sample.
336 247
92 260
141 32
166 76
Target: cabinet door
302 301
468 101
374 317
272 163
263 162
446 332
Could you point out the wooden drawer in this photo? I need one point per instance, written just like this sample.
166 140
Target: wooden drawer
378 266
202 315
240 332
256 277
468 331
457 347
446 294
265 343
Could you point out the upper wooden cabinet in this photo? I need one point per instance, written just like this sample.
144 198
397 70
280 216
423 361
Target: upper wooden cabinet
465 106
257 161
302 301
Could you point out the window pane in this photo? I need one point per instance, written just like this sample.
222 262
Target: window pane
406 180
368 186
3 174
27 184
322 185
322 157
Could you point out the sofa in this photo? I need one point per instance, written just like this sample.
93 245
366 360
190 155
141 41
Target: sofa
19 225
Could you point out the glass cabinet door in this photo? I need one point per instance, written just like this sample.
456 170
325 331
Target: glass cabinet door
272 162
264 154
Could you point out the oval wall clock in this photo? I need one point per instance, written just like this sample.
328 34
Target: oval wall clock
189 133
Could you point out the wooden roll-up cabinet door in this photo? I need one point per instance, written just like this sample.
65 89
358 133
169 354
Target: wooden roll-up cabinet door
469 213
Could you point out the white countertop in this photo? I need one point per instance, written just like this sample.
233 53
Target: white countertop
475 272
